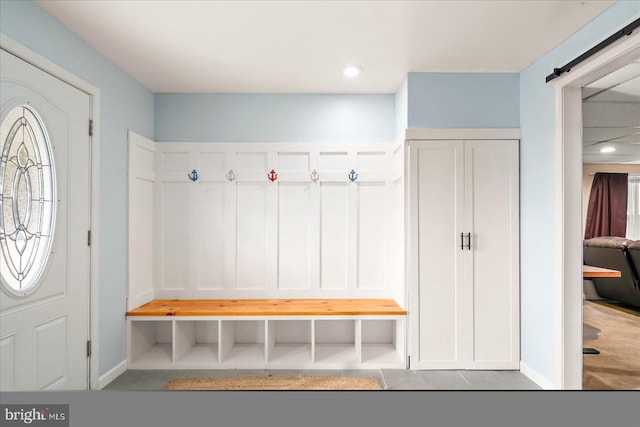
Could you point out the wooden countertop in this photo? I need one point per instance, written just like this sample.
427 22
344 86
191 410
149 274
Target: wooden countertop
591 271
269 307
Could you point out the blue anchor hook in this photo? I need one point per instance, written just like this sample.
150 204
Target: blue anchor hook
193 176
353 175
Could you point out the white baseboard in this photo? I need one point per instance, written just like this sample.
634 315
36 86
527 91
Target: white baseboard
536 377
112 374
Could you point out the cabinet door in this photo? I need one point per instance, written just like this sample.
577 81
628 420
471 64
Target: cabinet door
436 215
491 266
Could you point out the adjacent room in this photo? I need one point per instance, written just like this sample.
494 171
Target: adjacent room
611 190
348 195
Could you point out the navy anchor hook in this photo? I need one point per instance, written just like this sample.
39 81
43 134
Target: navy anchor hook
353 175
193 176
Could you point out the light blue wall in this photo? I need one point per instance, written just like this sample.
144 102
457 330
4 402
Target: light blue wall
125 104
463 100
537 120
274 117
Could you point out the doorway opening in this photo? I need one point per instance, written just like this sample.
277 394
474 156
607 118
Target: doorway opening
611 180
569 230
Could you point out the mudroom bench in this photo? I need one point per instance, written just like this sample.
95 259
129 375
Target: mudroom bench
267 333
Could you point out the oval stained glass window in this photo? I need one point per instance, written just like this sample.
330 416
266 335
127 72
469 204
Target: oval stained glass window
27 195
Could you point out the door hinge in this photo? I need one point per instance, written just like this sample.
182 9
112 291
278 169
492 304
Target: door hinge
90 127
89 238
89 348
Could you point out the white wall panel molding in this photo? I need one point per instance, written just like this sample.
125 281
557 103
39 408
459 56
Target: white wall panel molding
141 194
234 233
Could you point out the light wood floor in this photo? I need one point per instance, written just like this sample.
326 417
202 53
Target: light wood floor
614 330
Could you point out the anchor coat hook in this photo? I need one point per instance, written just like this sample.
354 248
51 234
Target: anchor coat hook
231 175
193 176
272 175
315 176
353 175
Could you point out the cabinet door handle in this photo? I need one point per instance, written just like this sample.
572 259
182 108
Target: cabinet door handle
462 241
469 241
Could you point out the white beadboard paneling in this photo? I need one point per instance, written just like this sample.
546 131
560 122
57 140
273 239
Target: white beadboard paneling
371 235
175 162
334 236
176 240
143 153
252 244
211 162
141 220
372 161
292 238
294 242
141 243
293 162
211 235
251 162
333 162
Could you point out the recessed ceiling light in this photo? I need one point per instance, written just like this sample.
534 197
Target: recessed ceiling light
352 71
608 149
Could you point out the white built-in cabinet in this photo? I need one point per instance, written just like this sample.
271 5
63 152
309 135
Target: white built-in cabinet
315 233
276 342
464 246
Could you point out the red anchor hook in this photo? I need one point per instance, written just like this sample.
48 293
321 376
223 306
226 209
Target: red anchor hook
272 175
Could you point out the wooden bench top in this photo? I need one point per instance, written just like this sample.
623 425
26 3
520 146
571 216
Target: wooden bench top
269 307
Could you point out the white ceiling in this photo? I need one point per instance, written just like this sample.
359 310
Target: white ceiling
611 117
302 46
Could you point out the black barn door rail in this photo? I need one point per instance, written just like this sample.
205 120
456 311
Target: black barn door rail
626 31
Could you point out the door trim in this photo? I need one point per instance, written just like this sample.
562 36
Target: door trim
71 79
568 205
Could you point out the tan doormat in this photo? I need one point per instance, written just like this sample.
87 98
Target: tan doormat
274 383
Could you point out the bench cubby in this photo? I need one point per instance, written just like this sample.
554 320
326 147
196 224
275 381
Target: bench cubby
186 335
336 342
382 342
151 343
242 343
196 343
289 342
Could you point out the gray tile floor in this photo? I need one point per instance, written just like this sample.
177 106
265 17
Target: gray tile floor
391 379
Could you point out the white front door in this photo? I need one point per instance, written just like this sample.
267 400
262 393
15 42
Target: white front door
44 221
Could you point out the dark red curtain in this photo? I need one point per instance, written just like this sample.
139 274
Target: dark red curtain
607 210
